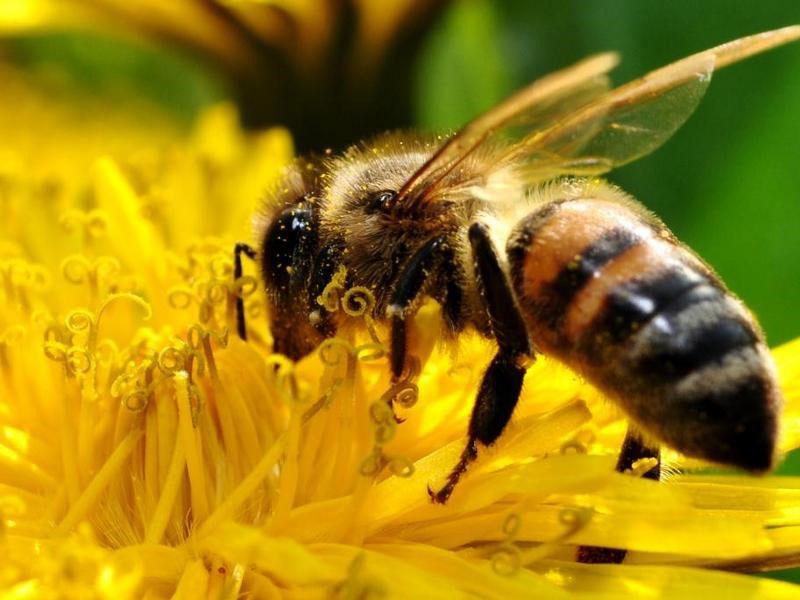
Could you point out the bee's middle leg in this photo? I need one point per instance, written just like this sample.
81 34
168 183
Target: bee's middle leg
633 450
502 382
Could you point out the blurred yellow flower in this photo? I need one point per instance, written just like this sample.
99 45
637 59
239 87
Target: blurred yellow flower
337 60
234 32
145 452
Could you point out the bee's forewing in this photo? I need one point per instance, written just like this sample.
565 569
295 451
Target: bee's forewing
634 119
541 102
623 125
571 123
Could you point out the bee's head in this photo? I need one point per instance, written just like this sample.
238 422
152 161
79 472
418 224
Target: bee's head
361 185
287 231
361 206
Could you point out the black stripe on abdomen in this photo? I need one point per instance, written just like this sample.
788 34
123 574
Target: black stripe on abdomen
659 328
555 297
687 363
521 239
629 306
699 328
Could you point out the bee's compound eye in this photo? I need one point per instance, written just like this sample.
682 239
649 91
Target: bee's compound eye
382 201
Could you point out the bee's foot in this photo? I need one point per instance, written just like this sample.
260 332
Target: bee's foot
442 496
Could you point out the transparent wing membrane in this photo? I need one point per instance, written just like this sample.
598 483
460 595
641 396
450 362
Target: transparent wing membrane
626 124
570 123
540 103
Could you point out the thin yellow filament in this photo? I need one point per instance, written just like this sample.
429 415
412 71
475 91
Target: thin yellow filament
69 456
113 299
227 509
91 494
193 583
167 415
289 473
194 458
86 423
57 505
151 485
15 467
169 493
234 587
573 520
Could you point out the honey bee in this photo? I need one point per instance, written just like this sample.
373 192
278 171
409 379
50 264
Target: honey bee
507 226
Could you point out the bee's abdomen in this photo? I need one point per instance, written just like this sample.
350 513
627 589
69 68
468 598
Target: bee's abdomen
618 300
667 337
567 257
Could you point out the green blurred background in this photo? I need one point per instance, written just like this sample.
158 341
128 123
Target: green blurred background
728 183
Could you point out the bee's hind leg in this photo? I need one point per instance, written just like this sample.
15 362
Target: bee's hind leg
238 250
502 382
497 397
633 450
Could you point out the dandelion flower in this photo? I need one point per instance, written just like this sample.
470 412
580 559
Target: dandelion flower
352 54
145 452
233 33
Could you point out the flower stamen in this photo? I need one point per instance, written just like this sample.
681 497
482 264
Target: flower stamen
187 430
90 496
573 519
246 488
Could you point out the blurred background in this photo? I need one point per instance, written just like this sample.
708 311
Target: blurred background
335 71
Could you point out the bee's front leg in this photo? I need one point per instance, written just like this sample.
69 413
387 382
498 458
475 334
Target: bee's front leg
633 450
250 252
411 284
425 267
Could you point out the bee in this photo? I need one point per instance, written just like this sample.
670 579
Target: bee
507 225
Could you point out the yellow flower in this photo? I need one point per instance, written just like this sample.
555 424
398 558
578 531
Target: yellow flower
234 32
146 452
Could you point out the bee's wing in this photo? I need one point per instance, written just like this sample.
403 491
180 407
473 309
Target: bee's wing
623 125
542 102
600 131
634 119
